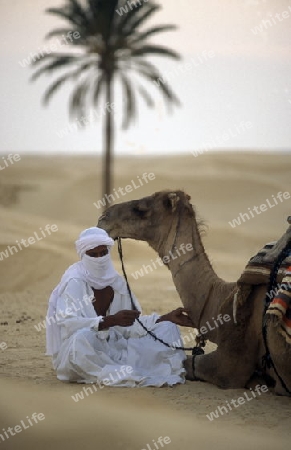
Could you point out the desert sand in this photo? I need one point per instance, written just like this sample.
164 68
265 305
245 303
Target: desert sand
40 191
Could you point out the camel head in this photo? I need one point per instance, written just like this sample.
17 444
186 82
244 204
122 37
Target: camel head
148 219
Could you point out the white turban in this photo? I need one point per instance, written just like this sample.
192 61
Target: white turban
91 238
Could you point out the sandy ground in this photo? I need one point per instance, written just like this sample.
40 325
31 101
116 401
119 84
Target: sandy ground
35 192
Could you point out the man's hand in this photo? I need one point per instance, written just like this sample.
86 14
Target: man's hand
124 318
178 316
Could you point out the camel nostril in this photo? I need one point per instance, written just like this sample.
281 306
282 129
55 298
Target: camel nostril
100 219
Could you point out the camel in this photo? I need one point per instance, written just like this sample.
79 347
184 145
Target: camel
167 221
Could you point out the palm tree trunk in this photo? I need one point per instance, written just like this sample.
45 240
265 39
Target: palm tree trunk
108 134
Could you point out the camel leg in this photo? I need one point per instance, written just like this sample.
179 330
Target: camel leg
225 369
235 360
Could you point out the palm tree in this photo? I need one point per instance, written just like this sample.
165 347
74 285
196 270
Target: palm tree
110 47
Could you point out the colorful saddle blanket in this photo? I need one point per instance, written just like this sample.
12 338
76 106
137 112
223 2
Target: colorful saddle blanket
258 272
259 267
280 306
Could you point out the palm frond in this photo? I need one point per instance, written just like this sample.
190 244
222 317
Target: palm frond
129 106
155 50
78 10
57 32
120 23
93 7
54 87
138 37
45 56
82 69
58 63
145 65
98 89
146 96
167 92
60 81
73 12
77 100
141 16
64 14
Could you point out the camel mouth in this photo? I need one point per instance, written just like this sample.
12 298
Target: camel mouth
102 223
101 218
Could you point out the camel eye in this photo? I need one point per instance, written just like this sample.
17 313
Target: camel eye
138 212
167 203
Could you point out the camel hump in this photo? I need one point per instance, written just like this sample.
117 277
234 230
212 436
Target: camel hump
269 254
283 242
259 267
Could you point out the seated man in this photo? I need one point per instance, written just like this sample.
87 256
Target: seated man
92 332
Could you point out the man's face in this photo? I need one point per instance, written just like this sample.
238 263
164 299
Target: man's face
97 252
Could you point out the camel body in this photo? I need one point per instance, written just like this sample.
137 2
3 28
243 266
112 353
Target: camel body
167 221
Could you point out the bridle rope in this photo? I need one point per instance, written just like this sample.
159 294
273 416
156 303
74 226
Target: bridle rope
199 343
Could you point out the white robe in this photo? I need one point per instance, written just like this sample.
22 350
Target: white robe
127 356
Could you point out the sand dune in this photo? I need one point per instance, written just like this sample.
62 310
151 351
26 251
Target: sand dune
113 423
62 191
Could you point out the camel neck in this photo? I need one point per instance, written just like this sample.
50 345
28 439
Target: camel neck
200 289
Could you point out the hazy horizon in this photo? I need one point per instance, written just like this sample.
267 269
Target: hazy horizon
238 72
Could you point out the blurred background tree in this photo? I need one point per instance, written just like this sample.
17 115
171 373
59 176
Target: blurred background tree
111 43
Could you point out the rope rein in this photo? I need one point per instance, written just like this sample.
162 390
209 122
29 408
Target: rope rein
267 360
153 335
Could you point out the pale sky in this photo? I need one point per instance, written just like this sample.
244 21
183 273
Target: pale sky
246 80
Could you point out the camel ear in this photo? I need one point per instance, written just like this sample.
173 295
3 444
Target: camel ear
174 199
